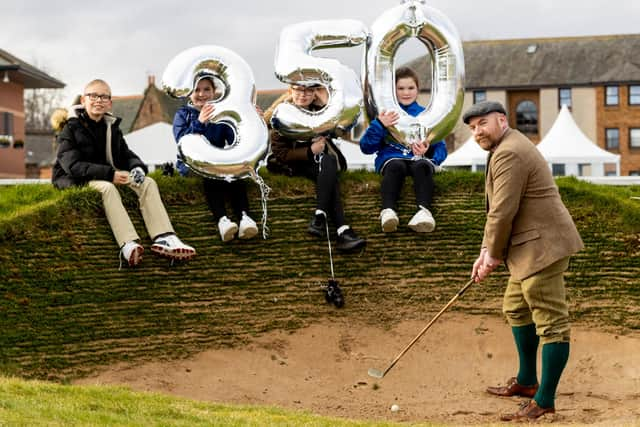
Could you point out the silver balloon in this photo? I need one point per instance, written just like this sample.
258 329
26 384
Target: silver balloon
432 28
295 65
235 106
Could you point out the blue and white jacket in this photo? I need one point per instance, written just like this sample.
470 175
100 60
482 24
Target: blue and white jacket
186 122
378 140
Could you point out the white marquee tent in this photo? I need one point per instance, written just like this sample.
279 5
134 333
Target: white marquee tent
356 159
469 154
565 144
154 144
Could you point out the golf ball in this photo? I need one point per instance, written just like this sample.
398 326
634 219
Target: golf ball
395 408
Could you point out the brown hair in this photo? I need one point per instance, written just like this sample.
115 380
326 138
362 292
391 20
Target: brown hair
406 72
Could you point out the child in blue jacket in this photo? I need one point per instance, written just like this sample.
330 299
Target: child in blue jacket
396 161
194 118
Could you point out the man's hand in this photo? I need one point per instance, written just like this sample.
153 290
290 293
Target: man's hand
121 177
484 265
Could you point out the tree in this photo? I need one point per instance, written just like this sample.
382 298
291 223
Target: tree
38 106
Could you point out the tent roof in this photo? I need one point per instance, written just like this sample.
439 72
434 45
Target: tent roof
566 143
470 153
356 159
154 144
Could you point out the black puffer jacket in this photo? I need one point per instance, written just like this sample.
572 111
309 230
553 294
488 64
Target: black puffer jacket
81 158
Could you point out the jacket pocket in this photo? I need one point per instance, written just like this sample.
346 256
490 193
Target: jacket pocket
523 237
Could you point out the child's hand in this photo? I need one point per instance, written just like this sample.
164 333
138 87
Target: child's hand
206 112
121 177
388 118
420 148
317 145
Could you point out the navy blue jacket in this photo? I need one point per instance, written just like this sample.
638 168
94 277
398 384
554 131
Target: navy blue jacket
378 140
186 122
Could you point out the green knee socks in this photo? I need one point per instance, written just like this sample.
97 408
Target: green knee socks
554 359
527 345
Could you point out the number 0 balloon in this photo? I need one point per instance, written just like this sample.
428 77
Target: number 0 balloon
437 33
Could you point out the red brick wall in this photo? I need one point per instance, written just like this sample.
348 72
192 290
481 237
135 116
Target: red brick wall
622 116
150 111
12 101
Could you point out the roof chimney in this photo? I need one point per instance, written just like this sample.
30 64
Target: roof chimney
151 80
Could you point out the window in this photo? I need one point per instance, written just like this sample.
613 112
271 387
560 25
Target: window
612 138
479 96
634 95
584 169
557 169
6 124
634 173
527 117
611 96
634 138
564 97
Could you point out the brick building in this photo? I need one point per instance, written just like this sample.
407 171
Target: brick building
16 76
597 77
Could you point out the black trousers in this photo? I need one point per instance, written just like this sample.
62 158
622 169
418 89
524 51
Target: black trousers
216 192
393 175
325 175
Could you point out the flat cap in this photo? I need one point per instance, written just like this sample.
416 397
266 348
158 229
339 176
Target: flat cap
481 109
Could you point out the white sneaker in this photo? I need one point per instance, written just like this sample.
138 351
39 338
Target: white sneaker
422 221
132 253
227 228
389 220
248 227
172 247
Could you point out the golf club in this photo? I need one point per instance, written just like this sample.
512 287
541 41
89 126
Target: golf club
332 292
377 373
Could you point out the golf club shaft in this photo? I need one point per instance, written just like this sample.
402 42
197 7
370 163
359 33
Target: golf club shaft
449 304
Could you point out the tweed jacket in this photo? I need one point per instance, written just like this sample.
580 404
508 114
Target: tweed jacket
527 224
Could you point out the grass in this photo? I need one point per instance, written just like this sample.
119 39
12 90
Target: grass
66 308
31 403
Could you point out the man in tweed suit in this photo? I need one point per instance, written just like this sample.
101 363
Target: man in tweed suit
529 228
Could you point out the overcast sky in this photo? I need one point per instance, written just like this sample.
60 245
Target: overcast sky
125 41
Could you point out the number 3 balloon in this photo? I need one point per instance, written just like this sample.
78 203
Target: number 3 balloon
234 107
437 33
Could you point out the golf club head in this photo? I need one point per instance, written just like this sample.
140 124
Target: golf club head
333 293
375 373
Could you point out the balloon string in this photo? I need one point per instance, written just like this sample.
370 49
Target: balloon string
264 196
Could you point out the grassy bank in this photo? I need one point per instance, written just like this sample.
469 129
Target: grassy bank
66 308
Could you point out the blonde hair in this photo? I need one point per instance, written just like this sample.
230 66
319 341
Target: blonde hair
97 81
285 97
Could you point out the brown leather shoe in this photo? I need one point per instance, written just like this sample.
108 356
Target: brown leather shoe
529 411
514 389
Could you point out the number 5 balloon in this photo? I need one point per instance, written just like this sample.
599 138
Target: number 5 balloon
437 33
295 65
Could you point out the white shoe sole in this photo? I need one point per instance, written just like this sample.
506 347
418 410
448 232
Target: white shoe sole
178 253
248 232
423 227
136 256
230 233
390 225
